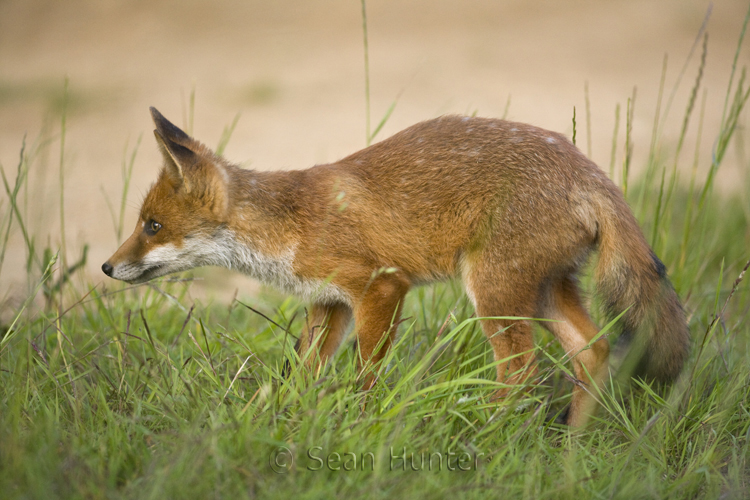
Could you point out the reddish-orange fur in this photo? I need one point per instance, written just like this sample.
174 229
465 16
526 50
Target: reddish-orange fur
511 209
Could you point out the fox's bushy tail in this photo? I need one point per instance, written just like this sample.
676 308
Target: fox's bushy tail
630 276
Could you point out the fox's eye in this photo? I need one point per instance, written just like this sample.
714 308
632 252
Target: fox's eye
153 227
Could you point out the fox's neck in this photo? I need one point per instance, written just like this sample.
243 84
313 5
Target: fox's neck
262 225
264 206
269 211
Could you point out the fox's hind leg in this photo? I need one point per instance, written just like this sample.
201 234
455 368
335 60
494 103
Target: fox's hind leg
325 328
500 291
574 329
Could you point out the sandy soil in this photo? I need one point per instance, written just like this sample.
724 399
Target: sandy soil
294 70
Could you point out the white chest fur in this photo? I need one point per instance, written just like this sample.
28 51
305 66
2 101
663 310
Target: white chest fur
276 270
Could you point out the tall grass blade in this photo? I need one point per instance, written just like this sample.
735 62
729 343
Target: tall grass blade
368 135
383 121
628 142
588 118
574 126
613 153
226 135
61 187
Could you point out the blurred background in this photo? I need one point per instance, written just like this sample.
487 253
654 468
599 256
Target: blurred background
293 71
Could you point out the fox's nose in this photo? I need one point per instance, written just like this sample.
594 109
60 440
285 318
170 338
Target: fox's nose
107 268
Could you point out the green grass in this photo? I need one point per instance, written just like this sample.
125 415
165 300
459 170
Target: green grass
135 392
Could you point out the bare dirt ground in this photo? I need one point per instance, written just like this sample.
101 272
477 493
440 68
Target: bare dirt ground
294 70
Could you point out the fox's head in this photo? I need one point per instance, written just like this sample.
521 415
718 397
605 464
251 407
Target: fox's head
182 214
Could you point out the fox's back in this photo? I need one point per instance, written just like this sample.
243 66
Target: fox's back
430 193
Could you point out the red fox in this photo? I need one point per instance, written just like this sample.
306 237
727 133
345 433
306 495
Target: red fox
511 209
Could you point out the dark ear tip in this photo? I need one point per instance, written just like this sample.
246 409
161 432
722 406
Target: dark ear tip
166 128
158 118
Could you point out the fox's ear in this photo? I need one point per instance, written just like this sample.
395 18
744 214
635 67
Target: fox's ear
176 146
181 154
177 159
167 129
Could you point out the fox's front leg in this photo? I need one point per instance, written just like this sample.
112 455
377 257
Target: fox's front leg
376 318
325 328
